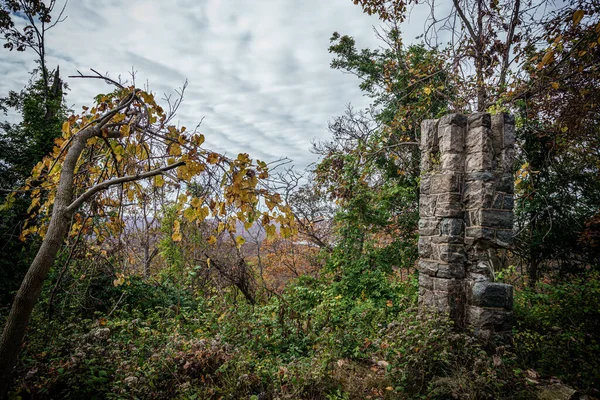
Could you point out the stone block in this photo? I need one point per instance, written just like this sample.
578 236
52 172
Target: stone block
509 130
480 233
484 176
428 267
451 270
429 226
451 226
508 160
508 202
452 162
450 253
494 320
449 197
509 135
449 210
453 119
498 133
429 137
450 239
451 139
452 286
497 219
434 300
503 127
480 267
504 237
478 194
498 202
492 294
425 281
477 277
444 183
478 119
425 247
479 140
427 205
425 184
506 183
478 161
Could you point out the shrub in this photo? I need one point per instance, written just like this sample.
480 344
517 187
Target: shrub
558 331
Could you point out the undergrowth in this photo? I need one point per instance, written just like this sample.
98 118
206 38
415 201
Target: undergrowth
310 342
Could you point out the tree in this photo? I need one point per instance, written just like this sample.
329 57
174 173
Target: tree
539 61
38 17
370 168
125 138
488 41
24 144
558 106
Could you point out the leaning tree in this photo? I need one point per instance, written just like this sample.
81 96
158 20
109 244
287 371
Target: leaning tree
108 154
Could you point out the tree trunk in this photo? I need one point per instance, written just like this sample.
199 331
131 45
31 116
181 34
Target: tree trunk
22 307
20 313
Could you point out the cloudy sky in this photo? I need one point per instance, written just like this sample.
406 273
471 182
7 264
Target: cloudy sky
258 70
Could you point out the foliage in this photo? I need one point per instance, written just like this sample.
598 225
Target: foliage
370 168
558 132
22 145
558 329
310 343
338 316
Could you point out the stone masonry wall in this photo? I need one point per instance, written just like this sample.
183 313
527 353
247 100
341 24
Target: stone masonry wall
466 213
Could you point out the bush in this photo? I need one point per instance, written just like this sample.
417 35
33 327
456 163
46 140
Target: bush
558 331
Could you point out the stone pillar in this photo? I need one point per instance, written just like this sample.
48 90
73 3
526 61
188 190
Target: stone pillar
465 214
442 256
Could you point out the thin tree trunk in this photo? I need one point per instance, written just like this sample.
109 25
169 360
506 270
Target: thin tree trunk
63 209
22 307
20 313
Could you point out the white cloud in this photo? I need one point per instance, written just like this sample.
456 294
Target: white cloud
258 71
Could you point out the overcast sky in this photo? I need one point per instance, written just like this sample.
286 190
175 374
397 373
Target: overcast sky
258 70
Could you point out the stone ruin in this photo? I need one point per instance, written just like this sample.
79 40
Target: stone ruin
465 215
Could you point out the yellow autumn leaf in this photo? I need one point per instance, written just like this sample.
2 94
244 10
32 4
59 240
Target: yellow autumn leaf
548 57
427 91
196 202
202 213
271 231
175 150
212 158
270 204
189 214
198 139
125 130
66 127
555 85
212 240
239 241
177 237
577 16
243 158
159 181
